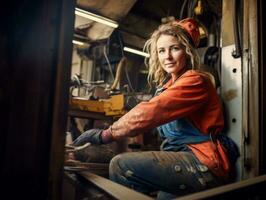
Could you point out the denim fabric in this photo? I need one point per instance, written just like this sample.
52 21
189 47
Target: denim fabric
177 173
178 133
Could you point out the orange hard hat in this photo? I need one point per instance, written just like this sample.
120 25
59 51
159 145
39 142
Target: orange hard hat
191 27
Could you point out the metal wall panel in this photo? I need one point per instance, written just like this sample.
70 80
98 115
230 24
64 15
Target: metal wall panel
231 92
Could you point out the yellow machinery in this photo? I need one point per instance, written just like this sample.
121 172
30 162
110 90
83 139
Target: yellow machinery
111 106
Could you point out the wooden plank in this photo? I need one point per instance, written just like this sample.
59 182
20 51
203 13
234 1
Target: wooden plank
240 186
88 114
114 189
97 168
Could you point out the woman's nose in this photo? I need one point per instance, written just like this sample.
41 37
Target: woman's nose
168 55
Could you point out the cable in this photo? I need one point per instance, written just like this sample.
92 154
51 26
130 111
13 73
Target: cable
108 63
126 66
192 5
121 44
182 9
121 63
128 80
237 52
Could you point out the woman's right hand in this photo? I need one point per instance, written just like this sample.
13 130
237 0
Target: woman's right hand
92 136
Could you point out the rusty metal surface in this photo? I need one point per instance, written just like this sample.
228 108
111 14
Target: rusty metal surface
113 106
227 24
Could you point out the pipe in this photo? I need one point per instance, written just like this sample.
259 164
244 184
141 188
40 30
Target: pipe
237 52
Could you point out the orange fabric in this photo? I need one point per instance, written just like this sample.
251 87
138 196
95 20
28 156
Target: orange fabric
192 96
192 28
214 156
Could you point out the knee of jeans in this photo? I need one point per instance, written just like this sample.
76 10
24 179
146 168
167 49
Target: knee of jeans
114 167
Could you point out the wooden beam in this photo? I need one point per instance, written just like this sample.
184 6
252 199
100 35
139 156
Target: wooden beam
114 189
251 187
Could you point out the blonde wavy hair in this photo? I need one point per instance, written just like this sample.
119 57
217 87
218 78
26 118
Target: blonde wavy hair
156 74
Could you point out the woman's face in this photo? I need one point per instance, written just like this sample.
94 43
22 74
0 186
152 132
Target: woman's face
172 58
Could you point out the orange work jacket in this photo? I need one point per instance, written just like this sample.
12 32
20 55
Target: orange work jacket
193 97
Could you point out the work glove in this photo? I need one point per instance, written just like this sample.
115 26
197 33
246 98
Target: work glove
94 136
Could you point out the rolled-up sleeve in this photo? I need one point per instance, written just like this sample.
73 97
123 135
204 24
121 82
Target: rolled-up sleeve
183 98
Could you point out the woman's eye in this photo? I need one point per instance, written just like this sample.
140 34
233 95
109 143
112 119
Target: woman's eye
160 51
175 48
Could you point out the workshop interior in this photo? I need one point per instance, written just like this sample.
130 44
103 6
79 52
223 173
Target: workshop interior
94 72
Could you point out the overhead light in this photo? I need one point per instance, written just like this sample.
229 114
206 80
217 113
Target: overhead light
96 18
141 53
77 42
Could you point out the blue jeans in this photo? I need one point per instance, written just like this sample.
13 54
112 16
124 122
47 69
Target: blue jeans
171 173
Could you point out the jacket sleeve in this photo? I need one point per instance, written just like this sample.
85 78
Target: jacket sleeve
186 96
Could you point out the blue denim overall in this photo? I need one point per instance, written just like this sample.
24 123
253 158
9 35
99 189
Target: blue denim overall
174 171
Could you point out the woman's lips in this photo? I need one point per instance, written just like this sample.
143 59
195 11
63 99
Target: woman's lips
169 64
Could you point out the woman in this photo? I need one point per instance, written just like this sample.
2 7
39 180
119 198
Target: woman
188 114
